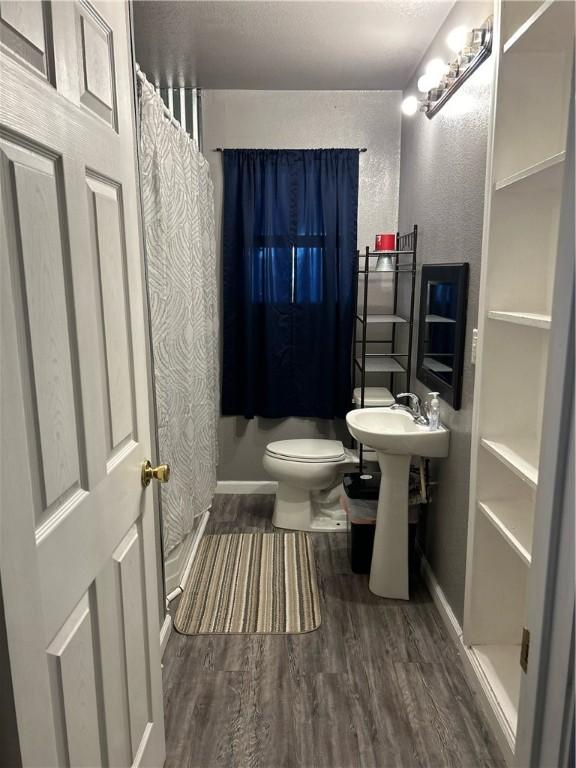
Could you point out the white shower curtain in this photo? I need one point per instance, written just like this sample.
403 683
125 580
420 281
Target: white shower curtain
181 259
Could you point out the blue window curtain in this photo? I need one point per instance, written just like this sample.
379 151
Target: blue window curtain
289 243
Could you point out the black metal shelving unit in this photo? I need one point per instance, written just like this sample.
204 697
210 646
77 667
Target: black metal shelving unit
393 362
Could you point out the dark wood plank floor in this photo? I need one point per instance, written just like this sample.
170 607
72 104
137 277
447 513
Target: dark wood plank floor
379 684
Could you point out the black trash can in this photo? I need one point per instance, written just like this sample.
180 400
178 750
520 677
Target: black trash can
361 502
361 545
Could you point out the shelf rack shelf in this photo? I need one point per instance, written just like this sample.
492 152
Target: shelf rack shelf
532 170
531 319
515 15
540 32
373 319
384 272
396 360
522 236
532 97
438 319
380 364
514 522
519 455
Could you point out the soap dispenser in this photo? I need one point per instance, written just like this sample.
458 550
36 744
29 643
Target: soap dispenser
434 412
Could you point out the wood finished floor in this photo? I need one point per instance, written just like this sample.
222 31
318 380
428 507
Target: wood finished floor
378 685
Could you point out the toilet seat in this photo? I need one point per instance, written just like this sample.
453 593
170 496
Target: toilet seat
309 474
307 451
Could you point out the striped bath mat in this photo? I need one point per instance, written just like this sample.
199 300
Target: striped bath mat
251 583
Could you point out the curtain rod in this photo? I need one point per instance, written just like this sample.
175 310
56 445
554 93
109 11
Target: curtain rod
221 149
143 79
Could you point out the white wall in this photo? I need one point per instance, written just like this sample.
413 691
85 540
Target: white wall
301 120
443 167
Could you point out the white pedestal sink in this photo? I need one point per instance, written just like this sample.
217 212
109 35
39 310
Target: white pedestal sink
395 437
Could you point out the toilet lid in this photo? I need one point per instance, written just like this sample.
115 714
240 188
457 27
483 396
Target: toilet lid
307 450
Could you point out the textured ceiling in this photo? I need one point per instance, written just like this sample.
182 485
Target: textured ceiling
285 44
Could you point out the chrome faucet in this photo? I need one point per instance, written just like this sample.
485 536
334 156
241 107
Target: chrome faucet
414 409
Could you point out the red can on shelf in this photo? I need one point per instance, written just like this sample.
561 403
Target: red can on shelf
385 242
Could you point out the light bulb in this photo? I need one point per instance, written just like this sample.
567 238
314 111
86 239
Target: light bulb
435 69
457 39
426 83
410 105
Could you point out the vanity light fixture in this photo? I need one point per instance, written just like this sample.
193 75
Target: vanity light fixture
443 80
435 70
457 39
425 83
410 105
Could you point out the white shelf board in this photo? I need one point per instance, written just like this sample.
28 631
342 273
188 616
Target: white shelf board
382 365
514 14
522 253
385 319
500 665
514 520
545 30
519 33
436 366
439 319
520 455
533 319
532 170
374 397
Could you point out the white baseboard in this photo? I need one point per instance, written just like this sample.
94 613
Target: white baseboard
246 486
175 563
474 673
165 632
177 581
446 613
490 705
198 536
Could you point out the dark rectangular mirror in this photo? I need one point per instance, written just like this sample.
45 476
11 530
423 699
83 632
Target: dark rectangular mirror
442 329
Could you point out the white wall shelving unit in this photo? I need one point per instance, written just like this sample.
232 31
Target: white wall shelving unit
534 48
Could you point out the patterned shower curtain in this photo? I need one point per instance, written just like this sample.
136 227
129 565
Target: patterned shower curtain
181 259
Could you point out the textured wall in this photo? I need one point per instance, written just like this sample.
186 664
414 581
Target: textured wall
442 189
303 119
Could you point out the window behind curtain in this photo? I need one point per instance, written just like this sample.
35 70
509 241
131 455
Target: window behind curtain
289 274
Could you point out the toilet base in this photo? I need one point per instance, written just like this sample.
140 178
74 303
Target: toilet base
299 509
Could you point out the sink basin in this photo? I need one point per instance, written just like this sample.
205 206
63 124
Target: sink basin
395 437
396 432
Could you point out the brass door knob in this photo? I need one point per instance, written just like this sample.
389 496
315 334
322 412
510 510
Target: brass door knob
160 473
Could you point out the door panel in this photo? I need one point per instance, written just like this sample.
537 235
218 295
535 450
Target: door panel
39 267
73 676
77 544
128 559
112 648
27 19
24 27
96 51
107 237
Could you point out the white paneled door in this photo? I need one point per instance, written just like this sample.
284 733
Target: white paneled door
77 547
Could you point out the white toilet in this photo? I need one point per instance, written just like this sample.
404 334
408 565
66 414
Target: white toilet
309 474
